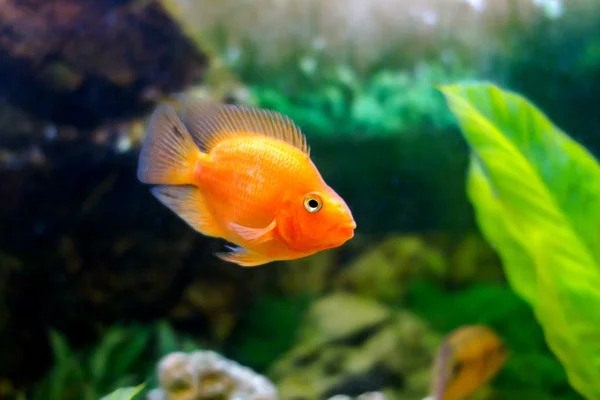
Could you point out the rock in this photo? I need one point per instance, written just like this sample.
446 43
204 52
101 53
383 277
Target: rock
308 275
86 62
207 375
382 272
339 316
351 345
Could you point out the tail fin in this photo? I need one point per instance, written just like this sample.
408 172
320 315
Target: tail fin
168 153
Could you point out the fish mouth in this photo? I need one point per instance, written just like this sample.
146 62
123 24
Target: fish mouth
339 234
348 225
347 229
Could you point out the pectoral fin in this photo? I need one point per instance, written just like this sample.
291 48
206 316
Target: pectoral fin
255 235
244 257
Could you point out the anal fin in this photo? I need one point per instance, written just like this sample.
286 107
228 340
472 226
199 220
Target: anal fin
188 203
244 257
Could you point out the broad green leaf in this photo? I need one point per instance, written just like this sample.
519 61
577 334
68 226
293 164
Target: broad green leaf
496 229
536 193
124 393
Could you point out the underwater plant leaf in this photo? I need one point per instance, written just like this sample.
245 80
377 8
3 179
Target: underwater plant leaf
536 193
124 360
495 229
60 348
167 338
99 359
67 369
124 393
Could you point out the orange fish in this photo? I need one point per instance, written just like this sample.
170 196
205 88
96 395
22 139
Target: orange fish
244 175
468 358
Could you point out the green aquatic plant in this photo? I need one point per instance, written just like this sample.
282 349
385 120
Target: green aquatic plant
128 393
124 356
536 193
337 100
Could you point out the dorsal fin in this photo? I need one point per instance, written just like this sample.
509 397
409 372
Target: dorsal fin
210 123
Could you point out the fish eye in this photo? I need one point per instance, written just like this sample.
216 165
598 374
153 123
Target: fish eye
313 203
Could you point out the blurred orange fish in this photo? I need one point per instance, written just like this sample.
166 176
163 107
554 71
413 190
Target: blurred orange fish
244 175
467 359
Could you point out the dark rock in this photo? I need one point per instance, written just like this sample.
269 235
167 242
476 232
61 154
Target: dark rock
84 245
86 62
375 349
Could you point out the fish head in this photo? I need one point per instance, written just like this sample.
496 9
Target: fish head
317 220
